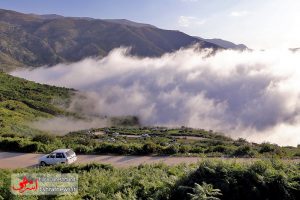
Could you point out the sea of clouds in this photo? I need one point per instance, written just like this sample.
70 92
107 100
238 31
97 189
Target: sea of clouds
250 94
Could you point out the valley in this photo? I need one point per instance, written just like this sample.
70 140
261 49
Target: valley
150 113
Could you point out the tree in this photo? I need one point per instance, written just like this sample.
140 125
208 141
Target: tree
205 192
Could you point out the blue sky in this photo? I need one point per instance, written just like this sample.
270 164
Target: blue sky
257 23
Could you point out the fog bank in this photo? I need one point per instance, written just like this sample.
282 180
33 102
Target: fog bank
250 94
63 125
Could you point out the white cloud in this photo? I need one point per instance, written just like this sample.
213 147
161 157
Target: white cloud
187 21
251 94
239 13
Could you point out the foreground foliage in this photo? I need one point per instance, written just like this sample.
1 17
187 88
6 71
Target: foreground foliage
204 192
207 180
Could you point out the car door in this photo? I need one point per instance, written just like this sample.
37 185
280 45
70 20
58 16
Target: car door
51 159
60 158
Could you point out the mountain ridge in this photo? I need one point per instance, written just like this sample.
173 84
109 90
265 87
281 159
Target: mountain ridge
225 44
37 40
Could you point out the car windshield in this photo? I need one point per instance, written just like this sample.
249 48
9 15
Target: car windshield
70 153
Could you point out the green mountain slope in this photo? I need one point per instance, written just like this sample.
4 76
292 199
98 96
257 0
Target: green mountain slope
35 40
22 101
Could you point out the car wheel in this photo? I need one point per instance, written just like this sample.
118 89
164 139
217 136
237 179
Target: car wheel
43 163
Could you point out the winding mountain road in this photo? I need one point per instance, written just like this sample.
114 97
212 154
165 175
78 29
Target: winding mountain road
12 160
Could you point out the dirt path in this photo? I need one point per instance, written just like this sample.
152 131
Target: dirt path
138 136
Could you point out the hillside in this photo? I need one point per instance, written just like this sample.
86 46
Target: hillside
35 40
22 101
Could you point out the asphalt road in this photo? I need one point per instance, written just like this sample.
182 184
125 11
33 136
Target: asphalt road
10 160
22 160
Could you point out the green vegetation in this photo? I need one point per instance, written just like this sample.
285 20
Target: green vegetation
261 180
204 192
146 141
206 180
124 121
22 101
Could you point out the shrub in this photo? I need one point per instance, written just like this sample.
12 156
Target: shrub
149 148
171 149
221 149
10 144
184 149
20 145
240 141
271 149
114 148
30 147
244 151
44 148
125 121
44 138
197 150
266 148
296 155
9 135
81 149
204 192
81 168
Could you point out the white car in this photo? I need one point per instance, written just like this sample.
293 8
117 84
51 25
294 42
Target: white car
57 157
116 134
145 135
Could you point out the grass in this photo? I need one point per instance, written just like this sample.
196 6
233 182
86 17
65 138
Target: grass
22 101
